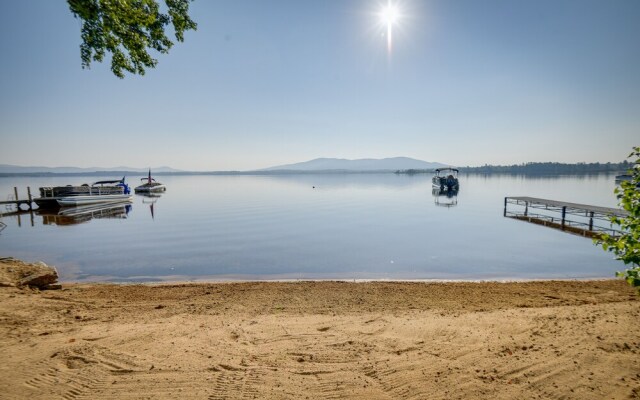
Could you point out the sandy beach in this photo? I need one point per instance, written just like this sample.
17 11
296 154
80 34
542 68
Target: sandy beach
317 340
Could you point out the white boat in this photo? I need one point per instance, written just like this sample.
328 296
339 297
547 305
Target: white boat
93 199
150 186
49 196
446 179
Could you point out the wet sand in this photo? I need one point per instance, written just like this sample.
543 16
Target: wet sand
316 340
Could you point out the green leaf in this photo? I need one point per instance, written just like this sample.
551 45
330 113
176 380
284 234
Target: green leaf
626 247
128 29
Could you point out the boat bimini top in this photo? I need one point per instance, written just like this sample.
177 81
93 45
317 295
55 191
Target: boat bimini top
438 170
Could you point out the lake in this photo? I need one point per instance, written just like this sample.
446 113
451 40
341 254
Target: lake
332 226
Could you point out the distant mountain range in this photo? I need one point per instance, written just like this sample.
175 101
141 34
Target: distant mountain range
16 169
364 164
318 165
337 165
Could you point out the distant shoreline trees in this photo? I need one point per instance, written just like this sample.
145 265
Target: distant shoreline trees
537 168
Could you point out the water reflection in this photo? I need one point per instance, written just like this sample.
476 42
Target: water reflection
350 226
344 180
150 198
81 214
445 198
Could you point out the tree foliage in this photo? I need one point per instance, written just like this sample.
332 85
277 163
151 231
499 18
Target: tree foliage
128 29
626 247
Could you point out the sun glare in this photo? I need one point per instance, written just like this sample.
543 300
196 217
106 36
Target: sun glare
389 16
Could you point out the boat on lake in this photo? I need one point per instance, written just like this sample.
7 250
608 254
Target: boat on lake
98 192
446 179
150 186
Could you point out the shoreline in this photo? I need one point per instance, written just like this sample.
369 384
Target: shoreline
303 280
322 339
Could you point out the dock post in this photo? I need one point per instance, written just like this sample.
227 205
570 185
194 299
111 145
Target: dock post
591 221
15 193
526 208
504 214
29 197
564 214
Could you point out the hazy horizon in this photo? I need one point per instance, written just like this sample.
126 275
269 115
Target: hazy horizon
263 84
168 168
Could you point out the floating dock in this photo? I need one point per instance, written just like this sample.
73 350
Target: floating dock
582 219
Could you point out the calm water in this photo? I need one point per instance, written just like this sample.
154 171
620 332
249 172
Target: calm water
281 227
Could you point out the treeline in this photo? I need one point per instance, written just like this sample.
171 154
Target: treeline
537 168
549 168
415 171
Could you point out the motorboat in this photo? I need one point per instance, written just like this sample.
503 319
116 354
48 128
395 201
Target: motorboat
150 186
98 192
446 179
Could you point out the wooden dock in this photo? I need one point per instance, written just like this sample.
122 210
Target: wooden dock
582 219
17 202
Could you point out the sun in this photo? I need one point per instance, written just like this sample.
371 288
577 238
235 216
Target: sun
389 15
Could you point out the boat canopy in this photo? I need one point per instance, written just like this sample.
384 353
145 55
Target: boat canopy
109 182
446 169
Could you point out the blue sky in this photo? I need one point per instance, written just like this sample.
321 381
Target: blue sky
266 83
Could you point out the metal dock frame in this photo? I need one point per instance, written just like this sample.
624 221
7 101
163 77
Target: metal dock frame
569 215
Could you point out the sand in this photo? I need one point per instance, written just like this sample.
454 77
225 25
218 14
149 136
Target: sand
318 340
